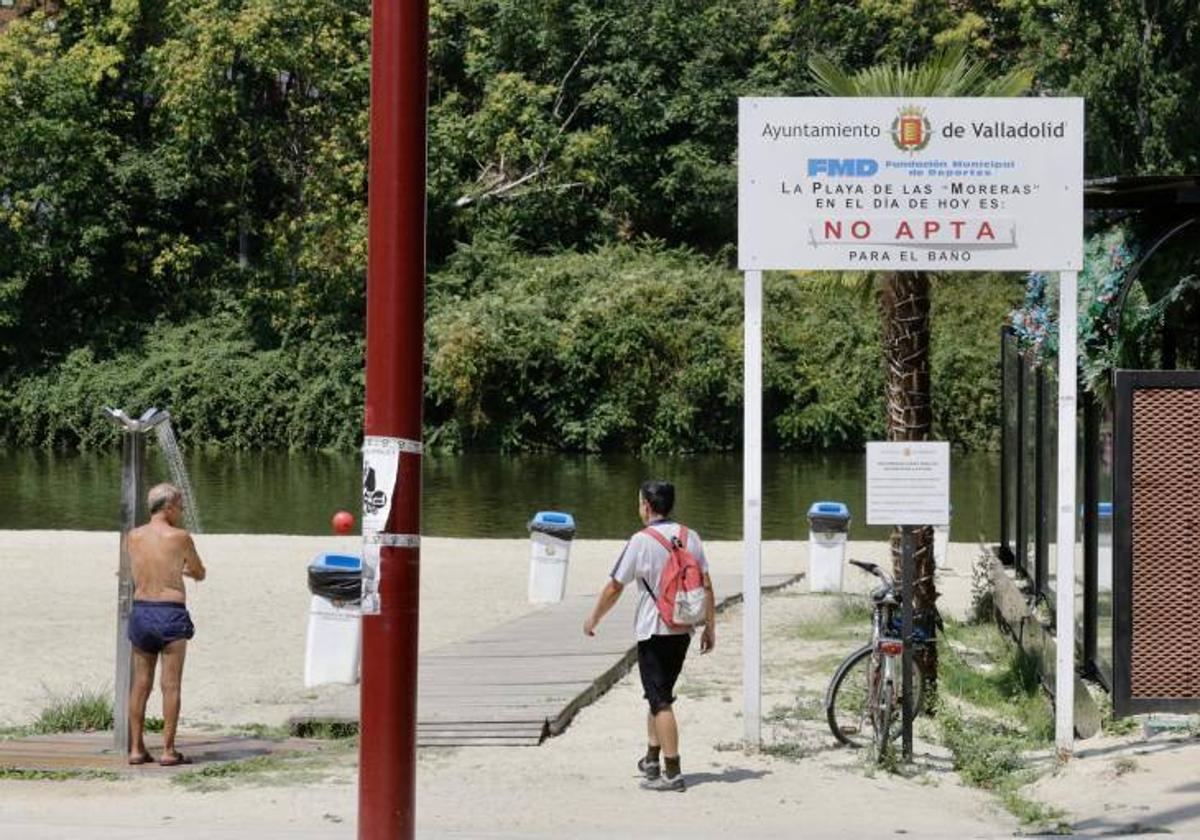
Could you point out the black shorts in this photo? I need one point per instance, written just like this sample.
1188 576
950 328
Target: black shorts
155 624
660 659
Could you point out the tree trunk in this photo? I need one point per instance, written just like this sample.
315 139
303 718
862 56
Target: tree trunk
904 305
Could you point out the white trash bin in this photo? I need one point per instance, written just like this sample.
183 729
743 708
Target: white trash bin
828 530
334 646
550 535
941 544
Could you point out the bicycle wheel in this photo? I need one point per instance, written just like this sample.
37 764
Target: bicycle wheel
884 715
892 699
848 699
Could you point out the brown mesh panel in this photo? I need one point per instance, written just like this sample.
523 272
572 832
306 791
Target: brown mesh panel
1166 556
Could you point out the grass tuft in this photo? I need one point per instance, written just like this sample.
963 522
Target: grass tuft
26 775
282 768
1011 689
325 730
264 732
85 710
788 750
220 775
1011 716
986 752
849 615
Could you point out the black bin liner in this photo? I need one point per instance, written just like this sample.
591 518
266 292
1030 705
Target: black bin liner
341 585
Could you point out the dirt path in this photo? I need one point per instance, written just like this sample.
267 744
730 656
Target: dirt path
584 783
1126 785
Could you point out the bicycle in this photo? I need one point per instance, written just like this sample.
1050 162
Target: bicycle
866 692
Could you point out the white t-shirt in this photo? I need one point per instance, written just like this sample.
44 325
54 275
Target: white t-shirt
642 562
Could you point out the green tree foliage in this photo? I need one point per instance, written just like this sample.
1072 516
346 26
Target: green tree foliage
624 348
220 387
566 122
68 213
262 136
197 167
1135 62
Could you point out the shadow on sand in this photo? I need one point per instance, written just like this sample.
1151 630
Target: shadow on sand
729 776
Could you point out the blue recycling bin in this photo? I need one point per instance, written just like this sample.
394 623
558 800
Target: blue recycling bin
828 531
550 534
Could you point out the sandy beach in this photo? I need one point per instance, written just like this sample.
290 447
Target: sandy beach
246 666
246 663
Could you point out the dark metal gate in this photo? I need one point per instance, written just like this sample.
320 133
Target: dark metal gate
1156 542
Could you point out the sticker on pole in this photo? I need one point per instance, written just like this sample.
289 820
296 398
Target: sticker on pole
370 579
381 467
908 483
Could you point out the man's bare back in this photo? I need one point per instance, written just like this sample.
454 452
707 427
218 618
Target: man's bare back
161 555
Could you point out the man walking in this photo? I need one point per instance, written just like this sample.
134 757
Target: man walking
161 554
661 647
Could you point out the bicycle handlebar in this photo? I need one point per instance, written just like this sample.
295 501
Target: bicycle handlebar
875 569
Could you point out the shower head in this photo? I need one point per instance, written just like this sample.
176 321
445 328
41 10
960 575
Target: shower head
150 418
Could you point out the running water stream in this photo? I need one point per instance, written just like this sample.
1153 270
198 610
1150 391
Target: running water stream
170 449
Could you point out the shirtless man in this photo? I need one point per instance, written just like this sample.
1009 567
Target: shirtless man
161 554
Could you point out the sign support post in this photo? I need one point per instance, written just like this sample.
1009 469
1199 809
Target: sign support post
1064 671
906 633
908 481
752 511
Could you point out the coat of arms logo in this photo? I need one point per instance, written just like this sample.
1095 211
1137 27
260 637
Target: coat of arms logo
911 130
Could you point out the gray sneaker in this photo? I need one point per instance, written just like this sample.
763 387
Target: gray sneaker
666 783
649 769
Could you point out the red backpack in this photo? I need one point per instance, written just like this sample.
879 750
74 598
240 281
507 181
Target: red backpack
681 597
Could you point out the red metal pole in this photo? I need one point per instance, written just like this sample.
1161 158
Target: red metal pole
395 345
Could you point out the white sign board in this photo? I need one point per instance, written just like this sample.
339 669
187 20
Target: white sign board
910 184
908 483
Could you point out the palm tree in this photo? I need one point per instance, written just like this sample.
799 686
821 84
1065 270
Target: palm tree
904 295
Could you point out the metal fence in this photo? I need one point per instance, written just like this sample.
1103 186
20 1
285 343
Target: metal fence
1138 522
1028 460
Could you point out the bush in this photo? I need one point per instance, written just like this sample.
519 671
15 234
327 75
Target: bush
218 385
620 349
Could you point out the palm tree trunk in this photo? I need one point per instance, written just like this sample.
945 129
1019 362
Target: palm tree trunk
904 306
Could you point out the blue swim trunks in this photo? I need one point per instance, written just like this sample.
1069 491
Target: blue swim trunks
155 624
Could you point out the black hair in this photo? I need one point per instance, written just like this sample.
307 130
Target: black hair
660 495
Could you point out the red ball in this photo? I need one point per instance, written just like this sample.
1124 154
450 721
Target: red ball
343 522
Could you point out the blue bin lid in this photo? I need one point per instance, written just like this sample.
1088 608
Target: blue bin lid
330 560
552 517
830 510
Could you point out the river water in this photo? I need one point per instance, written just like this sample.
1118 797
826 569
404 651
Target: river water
477 495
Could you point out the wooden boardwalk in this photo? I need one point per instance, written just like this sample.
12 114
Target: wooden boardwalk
522 681
93 751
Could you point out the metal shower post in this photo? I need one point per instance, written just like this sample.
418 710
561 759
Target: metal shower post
133 513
